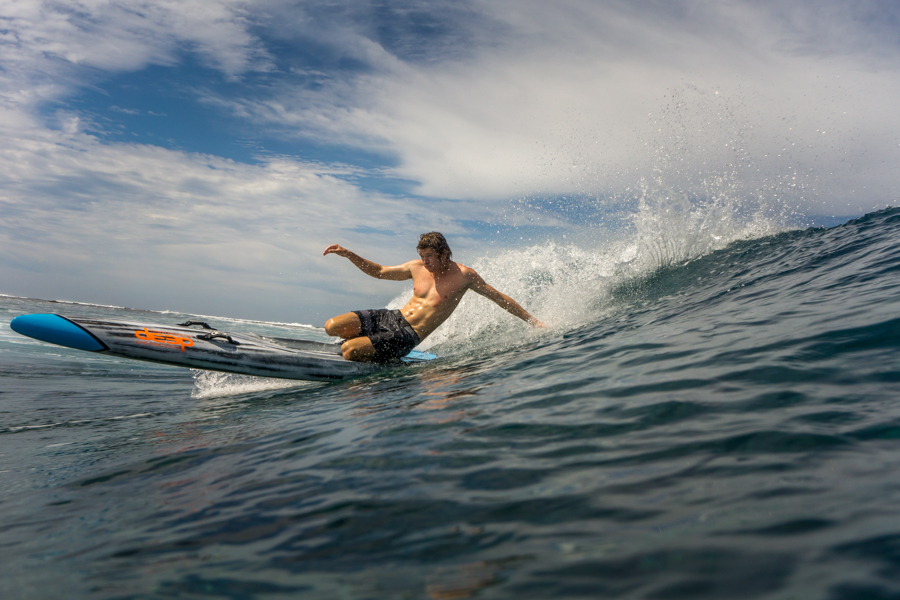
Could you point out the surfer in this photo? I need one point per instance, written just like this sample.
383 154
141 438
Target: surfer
438 287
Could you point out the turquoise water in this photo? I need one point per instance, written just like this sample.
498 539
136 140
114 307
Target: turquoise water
725 424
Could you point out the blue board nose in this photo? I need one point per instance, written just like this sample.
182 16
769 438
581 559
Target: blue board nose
56 330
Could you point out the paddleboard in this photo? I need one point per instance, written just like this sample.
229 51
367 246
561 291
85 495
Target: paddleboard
196 345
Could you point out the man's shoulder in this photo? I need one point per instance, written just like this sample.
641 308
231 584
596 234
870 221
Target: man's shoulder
415 266
469 273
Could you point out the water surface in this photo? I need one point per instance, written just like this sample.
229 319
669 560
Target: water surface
725 426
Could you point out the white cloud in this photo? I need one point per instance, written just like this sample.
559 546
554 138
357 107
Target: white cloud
570 101
485 102
148 227
569 97
49 47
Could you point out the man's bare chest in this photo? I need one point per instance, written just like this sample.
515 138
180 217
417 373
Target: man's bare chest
440 291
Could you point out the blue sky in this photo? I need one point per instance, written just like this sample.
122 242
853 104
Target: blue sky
198 155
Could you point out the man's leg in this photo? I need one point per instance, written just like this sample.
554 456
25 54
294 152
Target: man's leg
346 326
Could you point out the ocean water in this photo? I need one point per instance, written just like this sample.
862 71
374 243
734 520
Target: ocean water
711 416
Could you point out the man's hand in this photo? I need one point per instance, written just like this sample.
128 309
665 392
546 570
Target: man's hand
335 249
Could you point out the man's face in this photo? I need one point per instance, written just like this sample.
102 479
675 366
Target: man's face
431 259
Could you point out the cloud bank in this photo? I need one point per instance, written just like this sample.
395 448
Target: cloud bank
574 97
408 117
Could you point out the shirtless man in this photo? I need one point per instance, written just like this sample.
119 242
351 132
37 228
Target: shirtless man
438 286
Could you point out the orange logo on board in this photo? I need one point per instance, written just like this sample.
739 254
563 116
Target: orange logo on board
162 337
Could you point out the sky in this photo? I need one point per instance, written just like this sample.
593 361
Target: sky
198 155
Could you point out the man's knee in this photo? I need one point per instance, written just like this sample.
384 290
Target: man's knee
331 327
345 326
358 349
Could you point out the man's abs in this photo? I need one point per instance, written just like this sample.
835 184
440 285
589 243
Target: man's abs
425 317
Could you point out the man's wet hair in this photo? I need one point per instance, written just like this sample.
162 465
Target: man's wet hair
436 242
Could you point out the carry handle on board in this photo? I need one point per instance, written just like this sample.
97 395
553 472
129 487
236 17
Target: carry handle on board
213 334
200 323
217 334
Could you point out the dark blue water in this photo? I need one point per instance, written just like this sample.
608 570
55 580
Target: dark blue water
725 426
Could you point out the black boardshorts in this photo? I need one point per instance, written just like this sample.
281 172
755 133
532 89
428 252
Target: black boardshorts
390 334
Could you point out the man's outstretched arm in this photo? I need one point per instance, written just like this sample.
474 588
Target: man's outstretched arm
479 286
398 273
